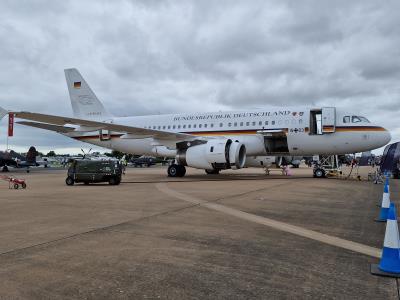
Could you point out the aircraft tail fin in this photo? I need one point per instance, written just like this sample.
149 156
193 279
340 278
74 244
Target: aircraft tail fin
85 104
31 155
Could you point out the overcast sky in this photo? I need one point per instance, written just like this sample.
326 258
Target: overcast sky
151 57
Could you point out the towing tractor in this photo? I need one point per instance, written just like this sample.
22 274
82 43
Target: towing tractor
93 171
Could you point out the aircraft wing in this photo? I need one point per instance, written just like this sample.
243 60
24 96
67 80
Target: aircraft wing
57 123
3 113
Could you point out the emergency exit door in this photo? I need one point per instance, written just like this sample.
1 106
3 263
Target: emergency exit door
328 119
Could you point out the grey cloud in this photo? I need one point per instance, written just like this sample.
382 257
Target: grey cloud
150 57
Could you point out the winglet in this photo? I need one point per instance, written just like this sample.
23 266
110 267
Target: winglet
3 113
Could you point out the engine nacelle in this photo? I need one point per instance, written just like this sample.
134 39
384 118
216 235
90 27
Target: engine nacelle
214 154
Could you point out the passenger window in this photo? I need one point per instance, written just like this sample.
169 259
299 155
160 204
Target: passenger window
229 124
199 125
266 122
205 125
346 119
241 123
247 123
221 124
235 124
179 126
159 127
169 126
184 126
273 122
173 127
212 125
260 123
154 127
189 126
194 125
254 123
163 127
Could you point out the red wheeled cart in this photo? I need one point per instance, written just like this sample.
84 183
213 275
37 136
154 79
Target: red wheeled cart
14 182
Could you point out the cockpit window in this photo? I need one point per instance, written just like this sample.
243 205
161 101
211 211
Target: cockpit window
357 119
346 119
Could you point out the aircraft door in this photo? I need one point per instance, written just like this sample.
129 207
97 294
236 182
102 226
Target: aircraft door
104 135
328 119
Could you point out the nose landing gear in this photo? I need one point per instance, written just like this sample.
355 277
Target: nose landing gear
319 173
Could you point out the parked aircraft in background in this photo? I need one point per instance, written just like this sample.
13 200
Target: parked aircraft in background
212 141
15 160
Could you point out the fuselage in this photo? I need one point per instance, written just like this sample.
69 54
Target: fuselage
294 131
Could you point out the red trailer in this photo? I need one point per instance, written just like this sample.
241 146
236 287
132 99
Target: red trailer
14 182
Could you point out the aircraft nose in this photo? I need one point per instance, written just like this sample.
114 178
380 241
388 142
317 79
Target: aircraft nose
384 136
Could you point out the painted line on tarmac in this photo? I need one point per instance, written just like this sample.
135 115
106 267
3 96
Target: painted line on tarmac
310 234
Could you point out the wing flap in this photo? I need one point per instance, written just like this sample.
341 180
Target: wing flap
56 128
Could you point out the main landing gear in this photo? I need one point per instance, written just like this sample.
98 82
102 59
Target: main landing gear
175 170
212 171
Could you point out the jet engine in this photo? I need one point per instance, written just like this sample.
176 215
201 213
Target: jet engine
215 154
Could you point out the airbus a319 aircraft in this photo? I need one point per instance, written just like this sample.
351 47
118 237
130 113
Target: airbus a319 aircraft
211 141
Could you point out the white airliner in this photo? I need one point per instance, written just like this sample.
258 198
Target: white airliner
211 141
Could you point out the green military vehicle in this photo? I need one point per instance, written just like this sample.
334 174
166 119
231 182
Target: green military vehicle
92 171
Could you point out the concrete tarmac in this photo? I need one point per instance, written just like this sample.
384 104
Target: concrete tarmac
237 235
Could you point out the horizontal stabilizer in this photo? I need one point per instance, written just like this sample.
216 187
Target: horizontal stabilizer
56 128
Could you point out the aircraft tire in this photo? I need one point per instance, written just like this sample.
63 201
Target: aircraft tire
69 181
319 173
5 169
212 172
182 171
23 185
16 186
173 170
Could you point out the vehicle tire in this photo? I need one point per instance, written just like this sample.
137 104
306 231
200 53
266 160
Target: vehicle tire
5 169
86 183
27 170
23 185
173 170
112 181
319 173
182 171
16 186
69 181
212 172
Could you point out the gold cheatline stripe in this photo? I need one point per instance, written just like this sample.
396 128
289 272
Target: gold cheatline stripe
365 128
